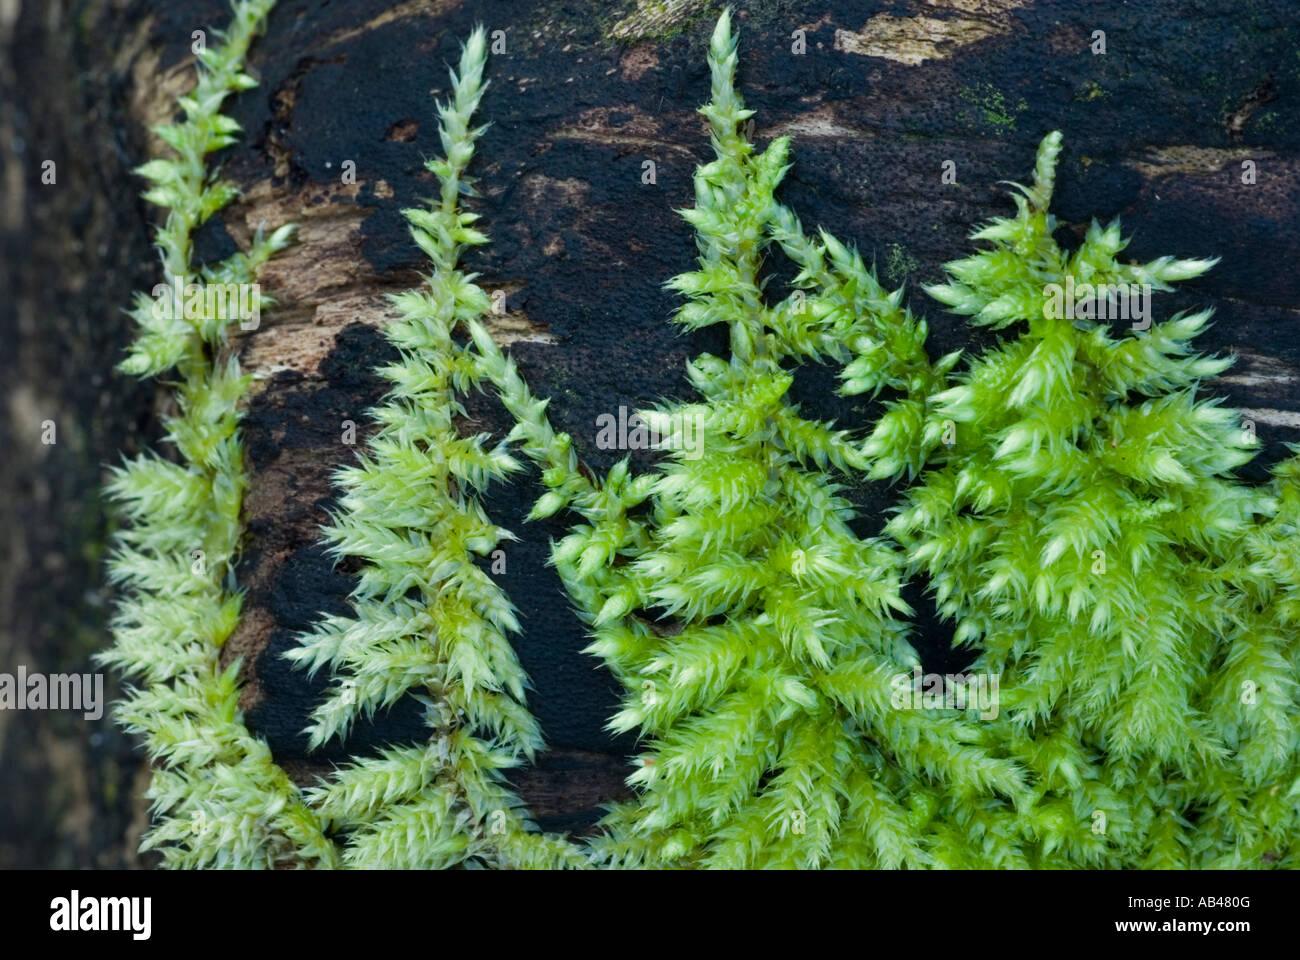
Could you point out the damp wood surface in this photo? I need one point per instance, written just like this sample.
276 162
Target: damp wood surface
1159 130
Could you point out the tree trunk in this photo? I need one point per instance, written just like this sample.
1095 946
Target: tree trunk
593 144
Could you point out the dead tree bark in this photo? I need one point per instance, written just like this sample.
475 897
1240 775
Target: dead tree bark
1166 109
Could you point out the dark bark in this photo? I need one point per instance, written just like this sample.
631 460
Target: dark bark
1156 130
73 250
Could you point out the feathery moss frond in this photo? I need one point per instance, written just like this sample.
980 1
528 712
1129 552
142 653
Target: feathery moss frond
754 632
219 799
1085 531
426 620
1075 509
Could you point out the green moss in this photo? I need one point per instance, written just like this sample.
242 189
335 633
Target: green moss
899 264
1074 509
219 800
993 108
1089 91
756 636
426 620
1085 532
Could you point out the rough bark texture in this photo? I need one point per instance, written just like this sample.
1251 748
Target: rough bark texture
1157 129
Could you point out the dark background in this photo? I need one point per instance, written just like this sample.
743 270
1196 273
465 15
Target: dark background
1156 130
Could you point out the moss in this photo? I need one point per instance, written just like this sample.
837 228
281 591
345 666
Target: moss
899 264
426 620
768 638
1089 91
219 800
708 583
994 108
1086 532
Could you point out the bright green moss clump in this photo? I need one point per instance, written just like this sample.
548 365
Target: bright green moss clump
218 797
756 635
1082 528
1071 499
427 619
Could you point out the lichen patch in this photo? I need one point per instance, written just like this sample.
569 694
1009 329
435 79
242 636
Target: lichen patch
1192 159
914 40
657 18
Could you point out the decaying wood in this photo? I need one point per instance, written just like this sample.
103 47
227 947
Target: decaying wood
1157 130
